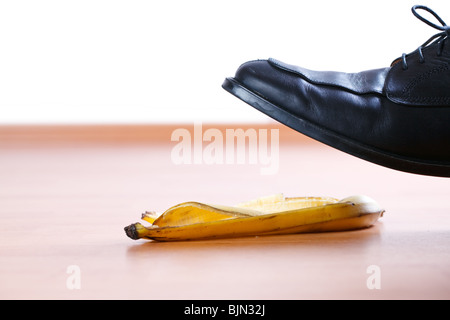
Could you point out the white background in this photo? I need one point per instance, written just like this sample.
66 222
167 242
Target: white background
106 61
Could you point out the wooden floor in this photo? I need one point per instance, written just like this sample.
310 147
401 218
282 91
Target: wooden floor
66 193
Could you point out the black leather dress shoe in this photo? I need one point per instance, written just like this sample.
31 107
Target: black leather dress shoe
397 117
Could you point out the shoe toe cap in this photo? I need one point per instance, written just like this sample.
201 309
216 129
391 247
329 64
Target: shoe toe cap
258 76
277 86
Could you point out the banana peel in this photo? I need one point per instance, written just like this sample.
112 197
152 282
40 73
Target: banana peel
270 215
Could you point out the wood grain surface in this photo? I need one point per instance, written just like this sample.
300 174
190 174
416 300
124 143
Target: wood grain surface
67 192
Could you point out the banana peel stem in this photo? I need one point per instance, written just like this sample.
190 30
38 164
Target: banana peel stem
131 231
136 231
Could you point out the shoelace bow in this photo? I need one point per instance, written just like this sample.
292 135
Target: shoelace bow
439 37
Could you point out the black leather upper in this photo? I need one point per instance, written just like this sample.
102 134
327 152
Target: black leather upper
371 81
422 83
379 108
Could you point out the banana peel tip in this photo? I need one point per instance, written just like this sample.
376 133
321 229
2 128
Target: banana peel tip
132 232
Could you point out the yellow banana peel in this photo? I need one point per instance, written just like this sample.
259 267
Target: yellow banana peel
270 215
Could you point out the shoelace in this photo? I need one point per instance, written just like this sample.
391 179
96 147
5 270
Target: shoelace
439 37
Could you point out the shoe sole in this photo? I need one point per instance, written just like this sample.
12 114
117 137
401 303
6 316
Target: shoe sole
334 140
